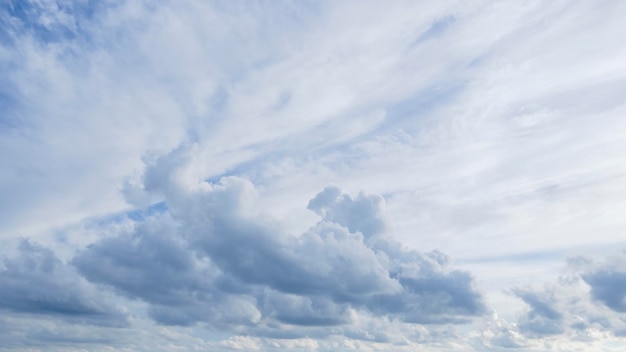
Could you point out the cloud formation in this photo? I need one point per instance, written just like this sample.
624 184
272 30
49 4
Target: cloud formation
493 132
608 282
214 257
579 310
34 281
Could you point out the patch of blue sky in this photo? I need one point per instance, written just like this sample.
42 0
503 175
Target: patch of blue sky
23 21
38 19
9 114
6 28
137 215
215 179
30 17
248 169
142 214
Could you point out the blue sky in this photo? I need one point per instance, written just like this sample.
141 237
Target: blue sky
312 176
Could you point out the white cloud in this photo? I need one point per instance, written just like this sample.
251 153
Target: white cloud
35 281
577 311
215 257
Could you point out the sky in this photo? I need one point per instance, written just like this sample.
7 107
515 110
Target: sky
312 175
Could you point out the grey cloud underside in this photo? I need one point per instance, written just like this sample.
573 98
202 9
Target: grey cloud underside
35 281
590 298
543 317
608 285
212 258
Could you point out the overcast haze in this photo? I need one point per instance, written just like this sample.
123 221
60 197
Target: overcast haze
312 175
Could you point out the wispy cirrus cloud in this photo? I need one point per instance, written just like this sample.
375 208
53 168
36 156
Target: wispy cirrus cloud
491 132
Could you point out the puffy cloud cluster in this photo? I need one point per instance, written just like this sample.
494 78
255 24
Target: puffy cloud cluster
589 298
215 257
582 308
212 256
34 281
608 282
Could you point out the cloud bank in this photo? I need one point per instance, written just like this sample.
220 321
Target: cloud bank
36 282
214 257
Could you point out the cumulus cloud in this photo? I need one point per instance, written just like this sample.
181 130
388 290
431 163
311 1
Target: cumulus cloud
608 282
574 312
216 257
34 281
497 333
544 316
334 206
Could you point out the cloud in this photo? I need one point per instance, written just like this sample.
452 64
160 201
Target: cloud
608 283
216 257
36 282
497 334
543 318
494 132
566 314
333 206
157 266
